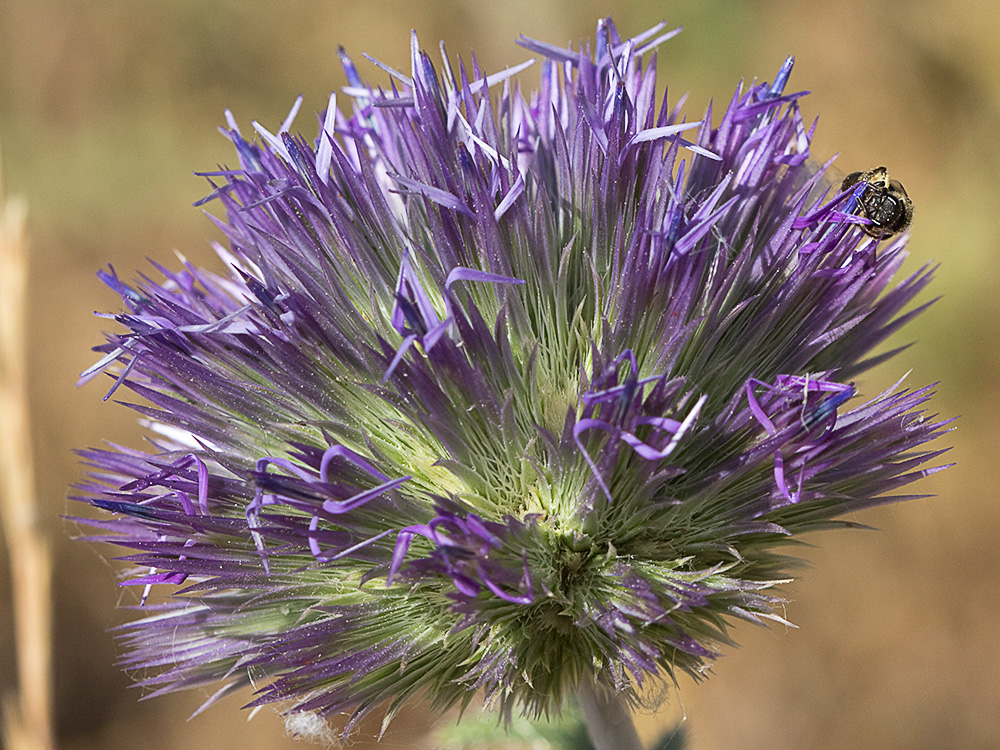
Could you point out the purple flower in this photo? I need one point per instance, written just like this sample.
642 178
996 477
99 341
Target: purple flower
505 391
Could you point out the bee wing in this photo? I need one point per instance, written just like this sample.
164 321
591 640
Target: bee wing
821 179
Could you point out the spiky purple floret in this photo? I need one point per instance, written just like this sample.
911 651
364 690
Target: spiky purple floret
502 392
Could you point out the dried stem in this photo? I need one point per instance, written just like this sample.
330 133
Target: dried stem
608 722
27 716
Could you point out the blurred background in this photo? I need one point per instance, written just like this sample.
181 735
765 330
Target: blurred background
107 107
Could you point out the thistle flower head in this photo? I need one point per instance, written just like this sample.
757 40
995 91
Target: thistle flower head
505 391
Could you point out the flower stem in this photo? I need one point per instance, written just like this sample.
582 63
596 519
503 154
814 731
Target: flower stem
608 722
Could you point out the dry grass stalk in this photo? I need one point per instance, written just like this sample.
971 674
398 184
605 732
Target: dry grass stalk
27 716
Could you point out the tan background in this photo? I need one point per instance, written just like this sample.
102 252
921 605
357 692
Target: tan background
107 107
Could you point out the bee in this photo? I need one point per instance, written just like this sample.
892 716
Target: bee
884 202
